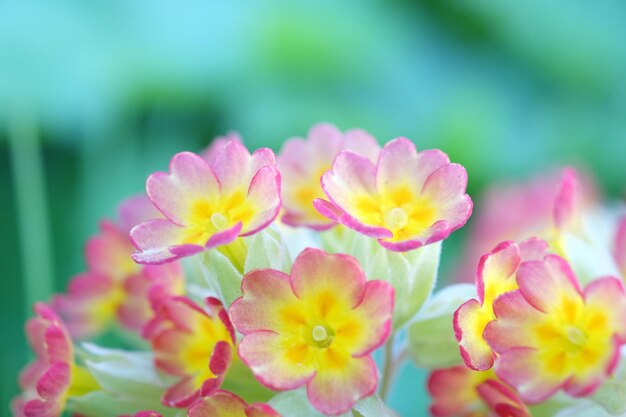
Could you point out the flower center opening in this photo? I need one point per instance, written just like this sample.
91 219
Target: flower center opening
575 336
218 220
322 336
396 218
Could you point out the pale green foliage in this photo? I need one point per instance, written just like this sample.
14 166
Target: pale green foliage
128 381
295 404
413 274
431 337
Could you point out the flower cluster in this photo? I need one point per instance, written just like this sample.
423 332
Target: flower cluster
244 284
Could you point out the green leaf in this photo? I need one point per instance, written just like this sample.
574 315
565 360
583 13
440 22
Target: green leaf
413 274
432 343
221 276
294 404
265 250
129 382
612 393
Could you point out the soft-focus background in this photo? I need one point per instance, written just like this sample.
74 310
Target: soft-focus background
96 95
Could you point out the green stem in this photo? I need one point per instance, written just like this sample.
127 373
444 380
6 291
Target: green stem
388 369
32 214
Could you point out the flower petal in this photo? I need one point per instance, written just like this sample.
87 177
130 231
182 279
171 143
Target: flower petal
469 323
276 363
335 390
259 308
544 284
155 238
264 196
375 309
190 179
316 273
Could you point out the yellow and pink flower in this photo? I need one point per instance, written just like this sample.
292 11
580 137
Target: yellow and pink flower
549 334
190 343
495 276
407 200
208 205
53 376
461 392
299 329
302 162
226 404
545 207
115 288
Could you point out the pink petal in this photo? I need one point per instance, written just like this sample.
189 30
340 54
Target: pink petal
352 175
336 214
498 265
54 381
502 399
521 368
474 350
361 142
234 166
264 195
264 291
154 239
211 151
398 161
533 249
220 238
515 320
376 308
335 391
453 391
609 291
135 210
315 271
264 353
261 410
567 199
182 394
445 188
545 283
220 358
190 179
219 404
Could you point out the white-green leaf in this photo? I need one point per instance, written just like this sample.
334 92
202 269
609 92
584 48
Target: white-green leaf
265 250
413 274
612 393
221 276
432 343
294 404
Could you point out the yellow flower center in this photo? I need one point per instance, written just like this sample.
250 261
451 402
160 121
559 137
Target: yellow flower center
396 218
575 336
322 336
219 221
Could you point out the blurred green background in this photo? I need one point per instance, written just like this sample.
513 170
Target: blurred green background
96 95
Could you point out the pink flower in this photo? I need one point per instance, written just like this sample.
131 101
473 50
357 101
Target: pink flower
303 161
299 330
192 344
227 404
549 334
53 376
495 276
406 200
461 392
207 206
115 288
210 152
544 207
